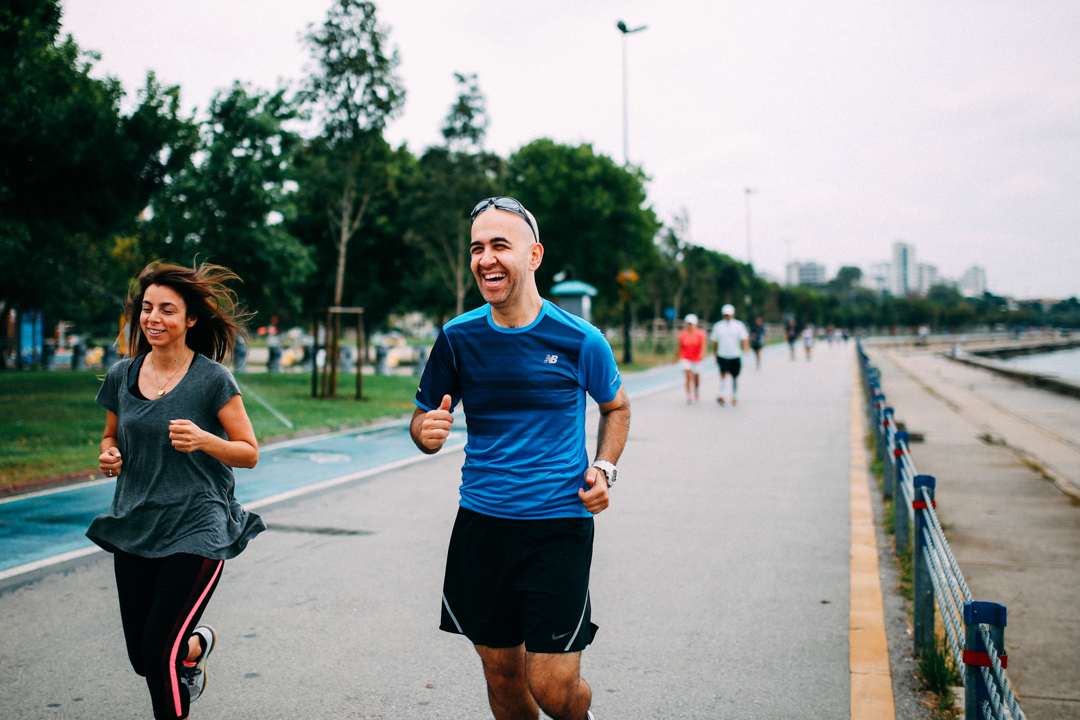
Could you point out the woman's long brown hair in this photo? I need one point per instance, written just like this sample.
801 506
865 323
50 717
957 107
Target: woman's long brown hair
219 318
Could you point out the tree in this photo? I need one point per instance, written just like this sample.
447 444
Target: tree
466 124
229 204
847 278
354 91
452 179
667 282
74 171
591 213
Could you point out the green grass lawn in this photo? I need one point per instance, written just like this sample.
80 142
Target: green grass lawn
290 395
50 424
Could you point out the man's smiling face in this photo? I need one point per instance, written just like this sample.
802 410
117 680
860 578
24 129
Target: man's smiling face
504 256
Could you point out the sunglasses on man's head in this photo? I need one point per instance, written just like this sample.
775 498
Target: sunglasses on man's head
505 203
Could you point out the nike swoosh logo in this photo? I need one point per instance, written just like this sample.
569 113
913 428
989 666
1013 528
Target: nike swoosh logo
559 637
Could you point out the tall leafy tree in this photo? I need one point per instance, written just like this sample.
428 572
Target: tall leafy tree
592 215
452 179
353 90
74 170
229 204
666 283
379 262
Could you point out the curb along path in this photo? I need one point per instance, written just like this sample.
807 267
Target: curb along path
871 680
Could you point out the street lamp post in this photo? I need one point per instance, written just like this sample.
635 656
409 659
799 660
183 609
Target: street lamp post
749 257
625 85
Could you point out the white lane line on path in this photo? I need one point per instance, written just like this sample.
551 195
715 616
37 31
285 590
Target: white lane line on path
38 564
288 495
871 681
83 552
55 490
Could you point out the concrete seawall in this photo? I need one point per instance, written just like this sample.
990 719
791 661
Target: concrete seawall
1039 380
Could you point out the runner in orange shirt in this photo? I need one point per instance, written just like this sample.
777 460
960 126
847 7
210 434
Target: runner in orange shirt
691 353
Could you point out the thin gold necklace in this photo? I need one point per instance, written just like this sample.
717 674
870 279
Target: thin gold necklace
160 387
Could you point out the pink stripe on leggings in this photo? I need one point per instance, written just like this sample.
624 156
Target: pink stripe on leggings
182 634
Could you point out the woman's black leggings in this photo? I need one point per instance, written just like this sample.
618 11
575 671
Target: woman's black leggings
161 601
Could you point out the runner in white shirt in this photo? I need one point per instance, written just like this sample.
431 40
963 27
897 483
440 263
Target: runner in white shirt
808 338
730 339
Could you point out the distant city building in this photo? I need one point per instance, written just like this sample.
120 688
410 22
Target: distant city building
903 278
877 277
973 282
926 277
1046 304
767 276
805 273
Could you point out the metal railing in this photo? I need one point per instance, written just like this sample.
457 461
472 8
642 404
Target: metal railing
975 630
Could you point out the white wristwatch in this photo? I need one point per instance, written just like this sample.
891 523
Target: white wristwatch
609 470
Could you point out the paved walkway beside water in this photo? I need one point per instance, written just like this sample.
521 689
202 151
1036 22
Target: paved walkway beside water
1007 462
721 582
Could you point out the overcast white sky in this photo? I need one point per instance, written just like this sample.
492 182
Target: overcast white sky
954 126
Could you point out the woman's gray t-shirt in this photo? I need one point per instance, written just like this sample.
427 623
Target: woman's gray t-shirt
167 501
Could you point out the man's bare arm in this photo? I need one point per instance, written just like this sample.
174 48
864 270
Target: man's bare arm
611 439
614 428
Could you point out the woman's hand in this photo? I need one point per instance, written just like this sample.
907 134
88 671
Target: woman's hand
110 462
186 436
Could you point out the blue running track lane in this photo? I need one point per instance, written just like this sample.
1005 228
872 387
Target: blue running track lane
37 528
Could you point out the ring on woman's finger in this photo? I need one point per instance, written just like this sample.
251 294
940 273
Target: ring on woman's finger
109 473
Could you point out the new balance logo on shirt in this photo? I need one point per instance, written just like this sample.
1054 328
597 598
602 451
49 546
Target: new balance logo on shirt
551 359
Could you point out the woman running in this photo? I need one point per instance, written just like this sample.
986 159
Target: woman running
690 354
175 427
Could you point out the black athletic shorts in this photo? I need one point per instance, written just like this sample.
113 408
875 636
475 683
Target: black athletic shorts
732 366
510 582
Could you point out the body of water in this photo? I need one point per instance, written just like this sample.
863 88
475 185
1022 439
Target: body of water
1064 363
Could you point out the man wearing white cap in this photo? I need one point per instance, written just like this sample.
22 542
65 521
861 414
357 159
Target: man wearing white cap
690 354
730 340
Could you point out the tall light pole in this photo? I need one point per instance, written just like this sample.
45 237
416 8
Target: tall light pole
749 257
625 84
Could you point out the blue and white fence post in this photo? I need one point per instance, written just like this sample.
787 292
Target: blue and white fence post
883 448
976 657
923 585
901 521
879 405
896 477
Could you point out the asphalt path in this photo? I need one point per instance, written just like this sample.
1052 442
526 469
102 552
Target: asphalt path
720 582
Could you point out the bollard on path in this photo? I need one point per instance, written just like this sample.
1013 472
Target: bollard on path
78 356
896 478
109 356
886 429
382 364
273 363
923 584
976 655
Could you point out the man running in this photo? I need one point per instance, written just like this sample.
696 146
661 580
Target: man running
730 340
517 569
690 354
757 339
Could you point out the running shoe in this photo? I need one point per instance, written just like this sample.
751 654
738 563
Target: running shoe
720 400
734 401
195 676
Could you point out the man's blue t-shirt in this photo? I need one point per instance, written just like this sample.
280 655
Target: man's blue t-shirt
523 391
